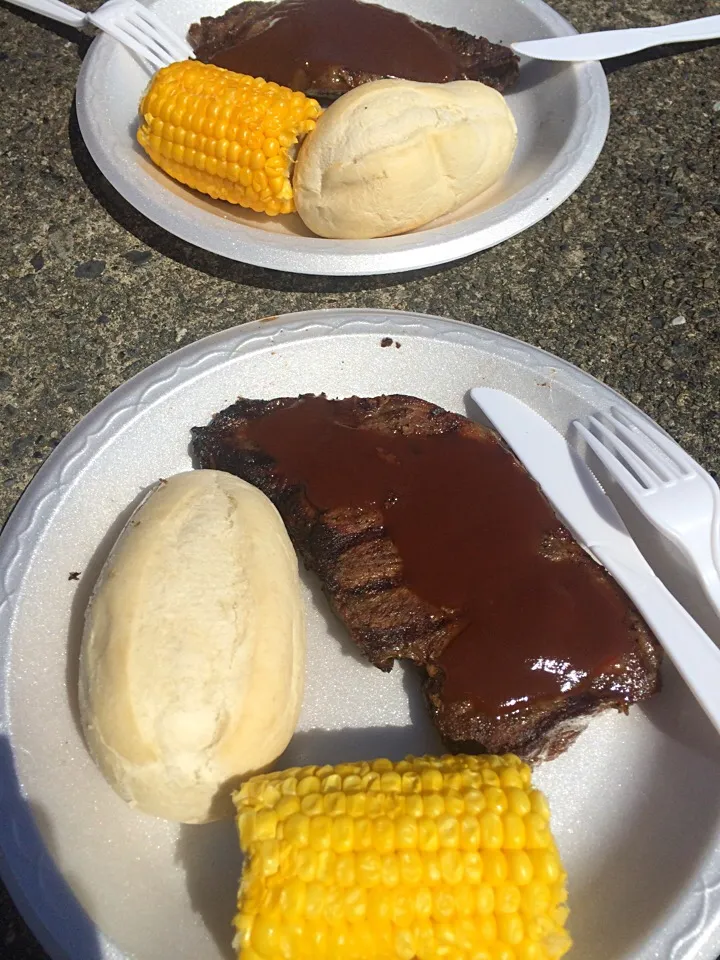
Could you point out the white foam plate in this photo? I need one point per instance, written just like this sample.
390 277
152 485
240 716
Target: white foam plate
635 801
562 113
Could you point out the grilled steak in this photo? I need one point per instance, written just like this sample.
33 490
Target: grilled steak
434 544
327 47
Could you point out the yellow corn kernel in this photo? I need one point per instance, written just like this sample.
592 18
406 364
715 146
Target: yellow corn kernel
546 865
335 804
345 869
269 856
304 864
391 782
431 779
520 867
518 802
411 868
490 778
536 832
218 132
355 904
363 833
469 833
527 950
431 869
443 904
448 831
495 799
513 832
510 777
378 906
317 940
491 830
296 829
474 802
355 803
495 867
451 866
433 805
485 898
286 806
423 902
292 899
390 870
311 804
375 802
331 782
406 833
501 951
382 765
454 803
343 834
320 832
435 859
403 909
324 865
507 898
535 899
473 866
424 938
487 928
368 866
538 804
383 835
464 900
427 835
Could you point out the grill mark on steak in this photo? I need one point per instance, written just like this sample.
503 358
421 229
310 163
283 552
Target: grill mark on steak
361 571
327 47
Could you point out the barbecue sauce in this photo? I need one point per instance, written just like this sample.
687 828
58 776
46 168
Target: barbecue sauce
475 537
302 40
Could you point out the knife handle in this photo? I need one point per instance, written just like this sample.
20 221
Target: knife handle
692 651
705 28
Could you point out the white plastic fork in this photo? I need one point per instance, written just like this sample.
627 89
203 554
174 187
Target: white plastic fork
675 494
129 22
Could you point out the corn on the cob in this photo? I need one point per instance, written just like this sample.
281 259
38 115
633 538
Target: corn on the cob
226 134
429 858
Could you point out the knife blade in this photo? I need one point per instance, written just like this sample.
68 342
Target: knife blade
562 475
589 514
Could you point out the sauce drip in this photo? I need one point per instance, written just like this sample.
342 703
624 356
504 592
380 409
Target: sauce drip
472 531
304 39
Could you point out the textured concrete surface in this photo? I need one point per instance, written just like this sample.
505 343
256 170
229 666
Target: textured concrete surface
623 279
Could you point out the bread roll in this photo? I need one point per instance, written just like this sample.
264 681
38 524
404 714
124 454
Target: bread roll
392 155
192 661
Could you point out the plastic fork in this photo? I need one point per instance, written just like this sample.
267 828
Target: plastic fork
128 21
672 491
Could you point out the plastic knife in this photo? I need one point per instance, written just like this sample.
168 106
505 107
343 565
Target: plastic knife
589 514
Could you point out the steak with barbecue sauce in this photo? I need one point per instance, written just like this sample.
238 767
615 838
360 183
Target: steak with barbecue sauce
327 47
433 544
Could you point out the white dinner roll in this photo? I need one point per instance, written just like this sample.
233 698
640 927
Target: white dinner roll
392 155
193 655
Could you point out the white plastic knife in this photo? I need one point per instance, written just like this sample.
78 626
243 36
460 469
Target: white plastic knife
605 44
588 512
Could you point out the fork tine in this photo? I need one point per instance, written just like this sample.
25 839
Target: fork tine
121 34
641 468
173 41
630 484
640 443
675 453
152 44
